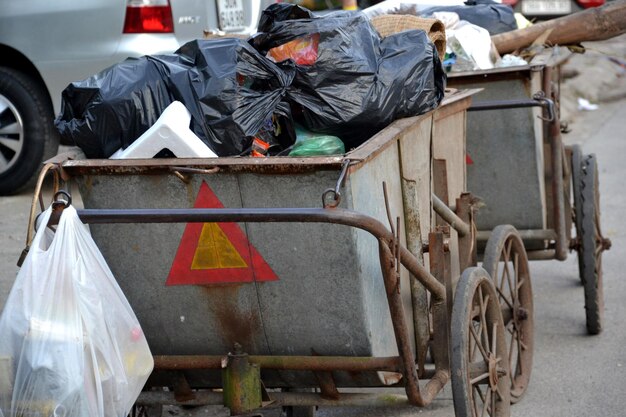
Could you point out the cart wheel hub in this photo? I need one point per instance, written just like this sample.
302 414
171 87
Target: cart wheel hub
521 314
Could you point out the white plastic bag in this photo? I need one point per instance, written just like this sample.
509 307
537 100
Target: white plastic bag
70 344
472 44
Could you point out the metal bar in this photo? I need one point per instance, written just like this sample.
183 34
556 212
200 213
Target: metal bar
266 215
467 243
541 255
439 186
328 387
556 151
440 311
281 399
295 363
528 234
400 329
419 295
506 104
462 228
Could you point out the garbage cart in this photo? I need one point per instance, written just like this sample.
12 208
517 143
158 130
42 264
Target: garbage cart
527 178
284 282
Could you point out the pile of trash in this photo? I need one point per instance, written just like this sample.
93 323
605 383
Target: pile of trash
468 30
304 85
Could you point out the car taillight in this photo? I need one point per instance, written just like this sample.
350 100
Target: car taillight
590 3
148 16
511 3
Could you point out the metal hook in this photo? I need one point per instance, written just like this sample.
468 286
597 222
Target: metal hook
57 201
336 199
548 104
58 205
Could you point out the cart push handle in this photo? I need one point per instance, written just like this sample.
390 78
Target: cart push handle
539 100
391 252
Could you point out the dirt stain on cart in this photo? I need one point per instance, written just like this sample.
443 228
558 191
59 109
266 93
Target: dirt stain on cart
237 322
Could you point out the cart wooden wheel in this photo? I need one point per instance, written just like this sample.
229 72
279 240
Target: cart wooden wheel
506 262
577 168
591 244
480 367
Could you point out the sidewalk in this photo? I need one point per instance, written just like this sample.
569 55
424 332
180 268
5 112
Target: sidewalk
601 76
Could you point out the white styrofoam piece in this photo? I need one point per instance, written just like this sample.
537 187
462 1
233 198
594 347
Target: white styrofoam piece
171 131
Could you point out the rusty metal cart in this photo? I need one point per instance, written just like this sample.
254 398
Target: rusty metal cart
530 181
272 302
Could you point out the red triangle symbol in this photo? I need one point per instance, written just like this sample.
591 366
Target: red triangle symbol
211 253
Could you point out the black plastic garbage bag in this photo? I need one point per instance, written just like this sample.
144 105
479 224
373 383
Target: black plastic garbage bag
227 86
495 17
114 107
233 90
358 83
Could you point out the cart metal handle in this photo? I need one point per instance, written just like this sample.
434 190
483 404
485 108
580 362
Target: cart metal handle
539 100
386 240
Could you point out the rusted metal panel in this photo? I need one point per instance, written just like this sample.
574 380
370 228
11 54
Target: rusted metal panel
274 165
500 139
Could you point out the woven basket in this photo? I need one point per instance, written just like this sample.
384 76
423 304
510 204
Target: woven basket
388 24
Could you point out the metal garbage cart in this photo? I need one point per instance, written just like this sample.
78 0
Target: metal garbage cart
528 179
250 295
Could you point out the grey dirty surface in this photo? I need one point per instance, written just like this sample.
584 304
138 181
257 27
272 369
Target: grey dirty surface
598 75
573 374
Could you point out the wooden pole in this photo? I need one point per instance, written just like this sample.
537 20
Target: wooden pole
593 24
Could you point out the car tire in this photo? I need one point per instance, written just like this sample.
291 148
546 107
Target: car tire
27 132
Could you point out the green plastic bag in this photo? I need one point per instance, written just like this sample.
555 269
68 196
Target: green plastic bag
318 145
314 144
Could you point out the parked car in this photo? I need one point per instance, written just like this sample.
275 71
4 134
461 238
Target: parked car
547 9
44 46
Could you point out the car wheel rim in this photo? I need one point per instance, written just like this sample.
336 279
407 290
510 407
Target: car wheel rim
11 134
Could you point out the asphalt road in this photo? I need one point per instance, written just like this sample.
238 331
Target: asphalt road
573 374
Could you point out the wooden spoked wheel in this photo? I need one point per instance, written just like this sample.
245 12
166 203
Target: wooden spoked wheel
507 263
480 365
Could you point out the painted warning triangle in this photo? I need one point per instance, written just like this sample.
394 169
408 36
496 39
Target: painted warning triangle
211 253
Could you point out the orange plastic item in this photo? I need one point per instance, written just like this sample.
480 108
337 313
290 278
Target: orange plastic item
302 50
259 148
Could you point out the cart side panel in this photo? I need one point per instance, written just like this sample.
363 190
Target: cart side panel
366 195
316 305
505 147
179 319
